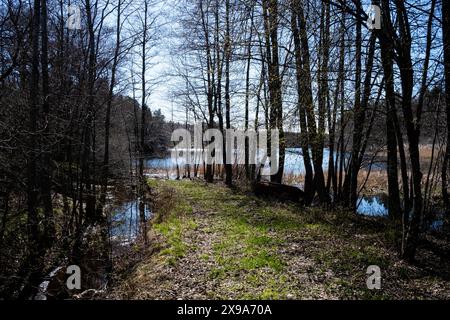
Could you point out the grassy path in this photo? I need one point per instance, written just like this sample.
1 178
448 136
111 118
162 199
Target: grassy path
210 242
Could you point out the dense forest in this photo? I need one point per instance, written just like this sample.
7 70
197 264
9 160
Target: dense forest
91 91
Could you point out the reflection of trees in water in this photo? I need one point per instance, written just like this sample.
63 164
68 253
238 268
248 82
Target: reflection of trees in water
129 220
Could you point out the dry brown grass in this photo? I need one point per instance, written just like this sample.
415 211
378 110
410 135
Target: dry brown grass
375 184
162 201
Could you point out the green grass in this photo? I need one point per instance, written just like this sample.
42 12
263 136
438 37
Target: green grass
249 232
242 224
173 228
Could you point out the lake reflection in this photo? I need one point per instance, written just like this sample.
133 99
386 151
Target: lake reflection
372 206
125 221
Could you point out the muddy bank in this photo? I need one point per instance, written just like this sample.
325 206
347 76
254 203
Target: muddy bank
99 247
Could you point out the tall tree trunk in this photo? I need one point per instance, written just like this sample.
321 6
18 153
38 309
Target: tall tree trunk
218 88
351 182
270 8
315 140
387 55
87 158
105 168
31 268
339 102
412 124
446 40
304 137
227 49
247 92
323 87
46 176
209 175
142 181
358 122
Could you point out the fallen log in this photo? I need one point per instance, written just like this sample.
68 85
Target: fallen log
278 191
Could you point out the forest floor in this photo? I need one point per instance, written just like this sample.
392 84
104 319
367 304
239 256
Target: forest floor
211 242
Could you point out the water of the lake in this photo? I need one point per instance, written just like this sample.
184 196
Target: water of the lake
126 222
372 206
293 162
376 206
